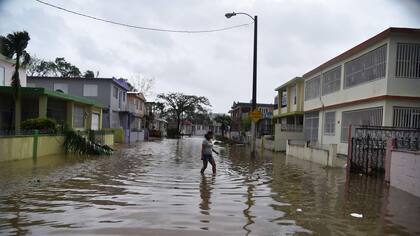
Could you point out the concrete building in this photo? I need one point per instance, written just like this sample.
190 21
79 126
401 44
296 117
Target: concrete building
136 108
76 112
375 83
110 92
7 69
240 117
288 115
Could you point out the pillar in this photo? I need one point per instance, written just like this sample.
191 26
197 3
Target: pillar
88 121
42 106
69 117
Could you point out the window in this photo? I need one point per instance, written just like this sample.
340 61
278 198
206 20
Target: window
276 102
329 123
293 94
406 117
408 61
311 126
78 117
312 87
368 67
123 96
369 116
115 92
331 80
284 98
60 87
2 76
90 90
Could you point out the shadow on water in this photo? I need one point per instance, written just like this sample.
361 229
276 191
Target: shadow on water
155 188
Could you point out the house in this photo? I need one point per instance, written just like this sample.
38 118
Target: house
110 92
7 69
76 112
137 109
240 118
375 83
288 114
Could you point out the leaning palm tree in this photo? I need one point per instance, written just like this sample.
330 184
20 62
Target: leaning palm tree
13 46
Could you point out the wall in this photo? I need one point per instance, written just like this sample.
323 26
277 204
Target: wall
9 69
281 137
15 148
405 171
265 142
136 136
317 155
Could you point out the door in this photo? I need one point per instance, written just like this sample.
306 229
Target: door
95 121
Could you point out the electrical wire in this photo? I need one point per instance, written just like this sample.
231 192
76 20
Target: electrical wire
142 27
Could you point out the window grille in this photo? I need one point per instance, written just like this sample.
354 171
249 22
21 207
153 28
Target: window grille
369 116
78 117
406 117
408 61
312 87
329 123
370 66
311 126
331 81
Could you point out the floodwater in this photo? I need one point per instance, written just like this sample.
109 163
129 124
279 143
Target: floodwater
155 188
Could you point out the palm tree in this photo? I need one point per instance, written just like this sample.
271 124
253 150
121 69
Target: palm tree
13 46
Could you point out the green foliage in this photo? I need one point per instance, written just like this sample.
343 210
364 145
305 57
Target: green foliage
225 122
89 74
43 124
59 67
76 143
173 133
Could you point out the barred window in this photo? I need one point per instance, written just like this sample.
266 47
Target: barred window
312 87
408 61
329 123
311 126
406 117
284 98
331 80
369 116
78 117
368 67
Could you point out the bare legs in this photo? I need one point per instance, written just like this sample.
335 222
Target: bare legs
213 164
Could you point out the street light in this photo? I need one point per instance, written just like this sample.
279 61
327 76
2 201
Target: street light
254 76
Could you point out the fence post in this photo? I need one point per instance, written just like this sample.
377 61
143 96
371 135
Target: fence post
35 145
349 150
390 144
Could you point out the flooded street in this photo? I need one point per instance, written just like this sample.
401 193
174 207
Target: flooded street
155 188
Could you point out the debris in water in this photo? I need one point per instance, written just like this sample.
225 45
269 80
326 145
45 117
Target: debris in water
357 215
299 210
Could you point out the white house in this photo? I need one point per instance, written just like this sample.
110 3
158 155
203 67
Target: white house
7 69
375 83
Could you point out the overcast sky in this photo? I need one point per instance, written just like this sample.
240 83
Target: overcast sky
294 37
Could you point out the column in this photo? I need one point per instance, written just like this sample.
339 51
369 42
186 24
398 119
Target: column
69 114
42 106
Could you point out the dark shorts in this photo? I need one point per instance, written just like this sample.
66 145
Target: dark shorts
207 158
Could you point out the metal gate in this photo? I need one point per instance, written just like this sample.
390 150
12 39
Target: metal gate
367 146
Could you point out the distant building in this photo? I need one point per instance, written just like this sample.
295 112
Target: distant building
7 69
137 110
375 83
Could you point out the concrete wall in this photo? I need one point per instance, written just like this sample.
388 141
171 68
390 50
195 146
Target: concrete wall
405 171
9 69
281 137
15 148
317 155
136 136
265 142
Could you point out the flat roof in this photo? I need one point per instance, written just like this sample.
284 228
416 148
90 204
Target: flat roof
294 80
50 93
362 46
113 80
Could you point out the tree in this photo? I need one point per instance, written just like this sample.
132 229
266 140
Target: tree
225 122
89 74
13 46
143 84
66 69
178 105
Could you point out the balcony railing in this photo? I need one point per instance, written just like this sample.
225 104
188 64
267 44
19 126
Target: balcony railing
291 128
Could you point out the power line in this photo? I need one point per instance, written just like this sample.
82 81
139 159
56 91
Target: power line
142 27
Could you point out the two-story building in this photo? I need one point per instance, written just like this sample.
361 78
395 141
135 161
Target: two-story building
240 118
110 92
375 83
137 110
288 117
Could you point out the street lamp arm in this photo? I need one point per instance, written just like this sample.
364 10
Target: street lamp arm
229 15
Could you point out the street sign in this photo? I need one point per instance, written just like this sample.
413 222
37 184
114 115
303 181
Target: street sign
255 115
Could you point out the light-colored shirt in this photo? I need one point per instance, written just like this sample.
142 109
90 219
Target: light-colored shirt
207 147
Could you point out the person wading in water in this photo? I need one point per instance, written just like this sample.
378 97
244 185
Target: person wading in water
206 152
